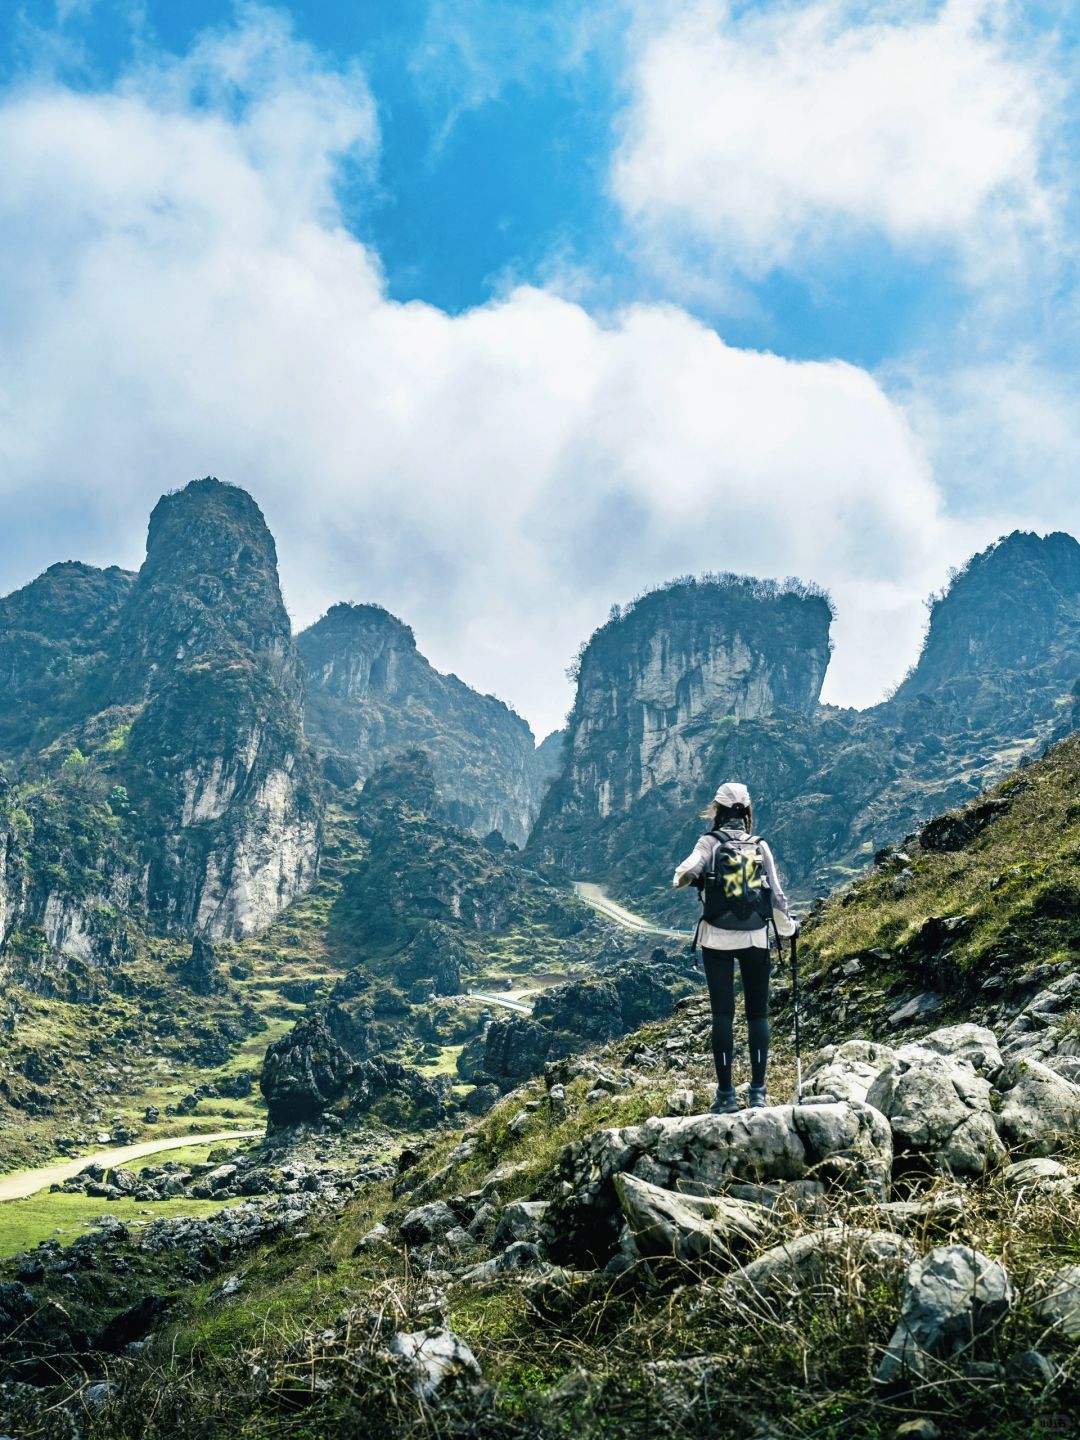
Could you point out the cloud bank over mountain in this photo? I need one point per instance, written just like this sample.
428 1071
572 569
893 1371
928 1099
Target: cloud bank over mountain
183 294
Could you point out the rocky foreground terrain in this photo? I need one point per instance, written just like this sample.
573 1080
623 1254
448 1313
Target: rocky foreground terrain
893 1252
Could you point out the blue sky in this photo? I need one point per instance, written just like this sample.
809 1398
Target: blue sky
535 304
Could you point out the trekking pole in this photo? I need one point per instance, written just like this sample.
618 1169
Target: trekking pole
795 1003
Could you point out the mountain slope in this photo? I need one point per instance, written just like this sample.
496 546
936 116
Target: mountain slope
371 695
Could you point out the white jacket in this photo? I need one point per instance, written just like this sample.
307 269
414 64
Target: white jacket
712 937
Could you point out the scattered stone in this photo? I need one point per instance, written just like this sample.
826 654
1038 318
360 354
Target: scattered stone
428 1222
559 1294
378 1237
521 1220
915 1009
679 1102
439 1360
915 1214
521 1255
921 1428
1035 1171
1059 1304
1032 1367
952 1297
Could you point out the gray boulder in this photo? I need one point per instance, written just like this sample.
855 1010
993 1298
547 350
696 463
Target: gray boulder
521 1220
1036 1173
846 1072
1040 1111
845 1144
973 1043
939 1111
806 1260
438 1360
521 1255
688 1227
952 1297
1059 1303
428 1222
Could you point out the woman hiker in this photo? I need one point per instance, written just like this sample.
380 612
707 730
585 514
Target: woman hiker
741 892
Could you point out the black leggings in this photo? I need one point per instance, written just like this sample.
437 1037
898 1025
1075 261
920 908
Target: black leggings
754 966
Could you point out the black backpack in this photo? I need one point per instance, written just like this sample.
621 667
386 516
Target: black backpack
735 894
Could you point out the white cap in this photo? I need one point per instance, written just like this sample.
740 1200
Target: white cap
732 793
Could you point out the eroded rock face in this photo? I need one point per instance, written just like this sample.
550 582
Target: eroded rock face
304 1073
953 1297
371 694
689 686
653 686
844 1143
217 760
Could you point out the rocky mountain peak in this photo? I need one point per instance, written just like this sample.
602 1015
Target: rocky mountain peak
208 588
1014 607
52 638
371 695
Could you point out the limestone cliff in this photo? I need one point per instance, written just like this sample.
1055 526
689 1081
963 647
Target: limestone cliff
159 718
216 761
656 685
371 695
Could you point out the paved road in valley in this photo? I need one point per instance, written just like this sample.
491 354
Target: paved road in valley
594 896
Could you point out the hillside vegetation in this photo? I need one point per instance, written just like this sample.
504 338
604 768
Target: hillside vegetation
597 1257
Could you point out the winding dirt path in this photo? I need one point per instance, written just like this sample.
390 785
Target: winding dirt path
22 1183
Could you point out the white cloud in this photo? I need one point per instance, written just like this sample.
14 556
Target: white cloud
771 133
1006 432
179 298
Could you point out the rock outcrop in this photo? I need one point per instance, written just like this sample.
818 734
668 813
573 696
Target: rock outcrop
845 1144
371 695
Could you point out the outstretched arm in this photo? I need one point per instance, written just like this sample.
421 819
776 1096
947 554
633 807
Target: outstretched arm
695 864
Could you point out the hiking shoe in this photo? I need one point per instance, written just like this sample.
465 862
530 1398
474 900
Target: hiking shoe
758 1099
725 1102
